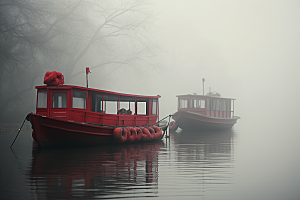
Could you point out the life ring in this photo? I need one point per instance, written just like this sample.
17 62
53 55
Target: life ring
131 134
120 134
152 133
173 126
158 132
139 134
146 135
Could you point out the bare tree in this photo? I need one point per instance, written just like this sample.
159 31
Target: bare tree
41 35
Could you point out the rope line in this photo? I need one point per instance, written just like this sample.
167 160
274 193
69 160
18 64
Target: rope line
18 133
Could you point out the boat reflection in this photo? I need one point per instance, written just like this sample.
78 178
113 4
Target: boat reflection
209 155
206 144
96 172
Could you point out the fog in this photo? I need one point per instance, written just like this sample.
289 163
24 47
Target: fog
246 50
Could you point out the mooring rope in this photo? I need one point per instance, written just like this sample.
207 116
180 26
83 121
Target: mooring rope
18 133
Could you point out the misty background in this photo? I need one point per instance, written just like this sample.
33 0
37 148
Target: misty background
248 50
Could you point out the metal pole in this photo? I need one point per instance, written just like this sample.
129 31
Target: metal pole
87 81
203 80
232 108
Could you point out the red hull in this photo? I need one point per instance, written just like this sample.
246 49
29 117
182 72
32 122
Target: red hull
194 121
50 132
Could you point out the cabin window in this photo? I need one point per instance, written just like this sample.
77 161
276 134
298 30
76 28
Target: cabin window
228 104
208 104
42 99
183 103
154 107
110 104
217 102
59 100
79 100
97 103
225 105
211 104
127 106
141 108
197 103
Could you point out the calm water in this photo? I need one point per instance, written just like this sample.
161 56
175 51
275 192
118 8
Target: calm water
244 163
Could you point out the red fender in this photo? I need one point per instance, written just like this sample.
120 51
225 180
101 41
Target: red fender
146 135
158 132
173 126
139 134
120 134
131 134
152 132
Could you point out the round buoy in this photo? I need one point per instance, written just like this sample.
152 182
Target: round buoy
120 134
146 135
158 132
173 126
139 134
152 133
131 134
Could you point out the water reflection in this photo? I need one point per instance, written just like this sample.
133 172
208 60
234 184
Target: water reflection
205 144
98 172
204 162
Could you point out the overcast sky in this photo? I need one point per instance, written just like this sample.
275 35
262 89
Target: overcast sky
247 50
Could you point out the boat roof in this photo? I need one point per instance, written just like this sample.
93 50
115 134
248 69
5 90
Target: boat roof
68 87
205 96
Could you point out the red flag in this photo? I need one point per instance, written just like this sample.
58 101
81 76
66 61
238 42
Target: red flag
87 70
203 79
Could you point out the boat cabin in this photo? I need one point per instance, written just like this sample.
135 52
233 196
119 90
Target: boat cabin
212 106
81 104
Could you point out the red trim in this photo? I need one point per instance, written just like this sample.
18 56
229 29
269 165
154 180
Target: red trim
69 87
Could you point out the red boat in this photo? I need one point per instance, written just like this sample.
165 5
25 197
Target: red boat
73 115
204 112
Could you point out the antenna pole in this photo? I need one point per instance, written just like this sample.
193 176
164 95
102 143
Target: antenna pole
203 80
87 80
87 71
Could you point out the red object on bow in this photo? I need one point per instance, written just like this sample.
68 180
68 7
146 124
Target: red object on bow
54 78
87 70
203 79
